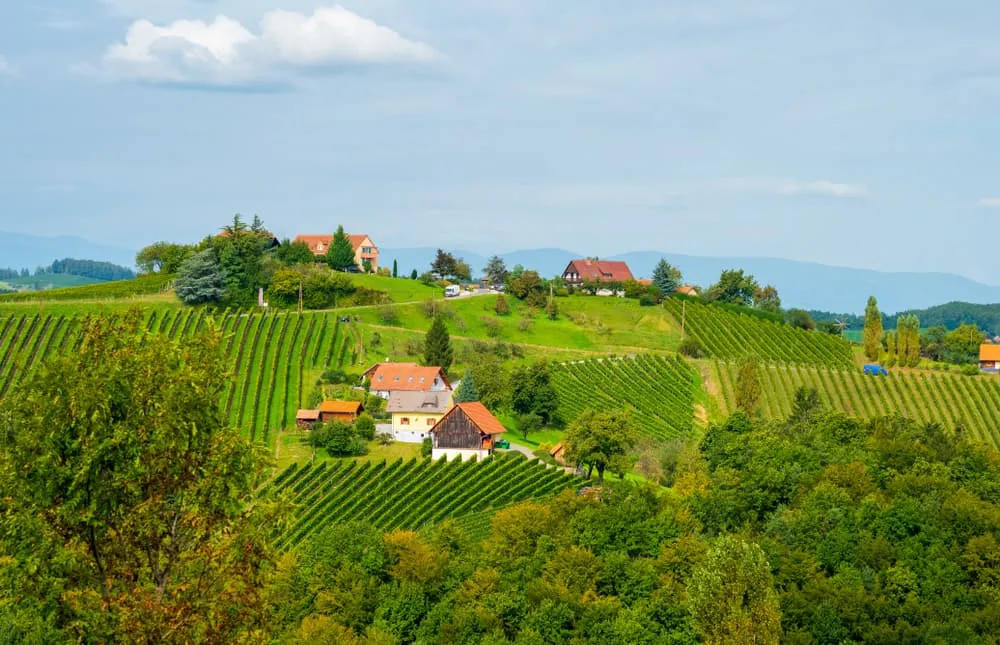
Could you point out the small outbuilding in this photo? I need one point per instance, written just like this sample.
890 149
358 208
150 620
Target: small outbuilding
989 357
306 418
346 411
467 430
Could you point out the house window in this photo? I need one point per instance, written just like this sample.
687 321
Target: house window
366 249
430 422
396 379
405 421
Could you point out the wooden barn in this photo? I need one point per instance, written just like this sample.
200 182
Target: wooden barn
346 411
468 430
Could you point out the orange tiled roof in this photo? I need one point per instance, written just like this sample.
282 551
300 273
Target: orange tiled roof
600 270
687 290
481 417
340 407
313 241
989 352
407 377
359 239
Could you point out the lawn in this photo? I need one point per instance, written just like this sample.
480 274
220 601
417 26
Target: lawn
399 289
293 446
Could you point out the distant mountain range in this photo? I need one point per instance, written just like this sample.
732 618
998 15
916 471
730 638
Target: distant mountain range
19 251
800 284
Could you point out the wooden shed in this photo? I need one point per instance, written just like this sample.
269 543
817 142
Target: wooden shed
467 430
346 411
306 418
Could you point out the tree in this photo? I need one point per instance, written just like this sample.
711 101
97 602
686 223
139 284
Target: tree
731 596
492 380
962 344
462 270
527 286
872 336
444 264
501 306
531 391
800 318
395 269
162 257
294 253
667 277
340 254
552 309
413 274
805 403
748 390
908 340
601 441
466 392
129 499
528 423
767 299
496 271
734 287
200 279
437 345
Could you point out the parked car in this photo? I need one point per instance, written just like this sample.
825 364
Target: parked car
875 370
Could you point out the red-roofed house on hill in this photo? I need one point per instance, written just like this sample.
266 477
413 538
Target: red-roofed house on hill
468 430
385 378
364 248
579 271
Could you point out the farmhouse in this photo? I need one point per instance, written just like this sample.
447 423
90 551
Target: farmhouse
414 414
579 271
385 378
687 290
989 357
467 430
364 248
346 411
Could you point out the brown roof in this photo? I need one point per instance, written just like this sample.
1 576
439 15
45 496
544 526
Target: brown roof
481 417
307 415
406 376
313 241
989 352
340 407
600 270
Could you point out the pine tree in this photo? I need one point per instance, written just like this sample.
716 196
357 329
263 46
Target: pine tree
340 255
466 392
437 345
413 274
666 277
395 269
552 309
748 391
873 330
200 279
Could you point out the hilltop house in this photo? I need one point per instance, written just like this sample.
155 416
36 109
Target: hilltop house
385 378
414 414
687 290
364 248
579 271
989 357
467 430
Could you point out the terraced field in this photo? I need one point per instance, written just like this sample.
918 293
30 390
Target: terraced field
727 335
658 389
270 355
949 399
412 494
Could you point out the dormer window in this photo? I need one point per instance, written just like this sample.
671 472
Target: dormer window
422 379
396 379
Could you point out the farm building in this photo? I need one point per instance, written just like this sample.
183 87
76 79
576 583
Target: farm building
414 414
346 411
580 271
306 418
364 249
687 290
467 430
385 378
989 357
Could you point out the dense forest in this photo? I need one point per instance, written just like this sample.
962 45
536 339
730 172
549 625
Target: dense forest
103 271
133 514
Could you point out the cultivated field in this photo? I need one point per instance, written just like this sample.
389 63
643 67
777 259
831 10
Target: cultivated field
411 494
950 399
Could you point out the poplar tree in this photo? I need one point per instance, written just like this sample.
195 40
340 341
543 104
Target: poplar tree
395 269
873 330
437 345
748 390
340 255
913 346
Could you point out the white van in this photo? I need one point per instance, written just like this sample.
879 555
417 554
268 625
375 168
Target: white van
452 290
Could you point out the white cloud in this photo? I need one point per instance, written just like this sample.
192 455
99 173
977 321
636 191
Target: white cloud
225 53
821 188
989 202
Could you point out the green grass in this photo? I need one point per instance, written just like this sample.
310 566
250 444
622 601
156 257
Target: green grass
51 281
925 396
121 289
398 289
409 494
293 448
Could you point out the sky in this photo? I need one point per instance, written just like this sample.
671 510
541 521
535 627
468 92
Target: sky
853 133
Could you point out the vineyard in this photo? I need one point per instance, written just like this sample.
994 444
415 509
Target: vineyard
144 285
659 391
411 494
949 399
727 335
271 356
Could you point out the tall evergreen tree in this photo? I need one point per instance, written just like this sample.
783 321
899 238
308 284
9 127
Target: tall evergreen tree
466 392
200 279
748 390
395 269
340 255
667 277
437 345
872 336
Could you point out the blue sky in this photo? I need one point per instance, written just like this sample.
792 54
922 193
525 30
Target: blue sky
852 132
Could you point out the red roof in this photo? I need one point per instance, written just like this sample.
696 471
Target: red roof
407 377
687 290
314 241
600 270
477 413
340 407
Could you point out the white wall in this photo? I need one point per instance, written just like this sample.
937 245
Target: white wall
414 435
451 453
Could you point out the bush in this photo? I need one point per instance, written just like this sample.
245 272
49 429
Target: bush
492 325
691 348
388 315
426 447
384 438
648 300
365 427
501 306
334 377
525 324
970 370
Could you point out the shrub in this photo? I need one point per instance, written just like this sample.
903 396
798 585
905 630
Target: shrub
414 346
388 315
426 447
384 438
375 340
492 325
430 307
970 370
691 348
525 324
365 427
334 377
501 306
